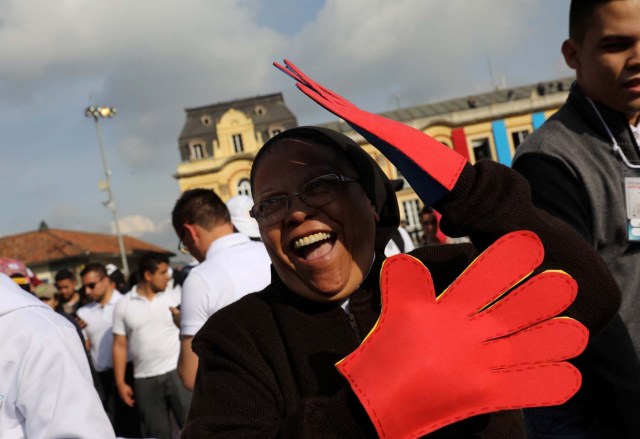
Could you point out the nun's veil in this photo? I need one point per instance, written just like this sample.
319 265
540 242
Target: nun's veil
375 183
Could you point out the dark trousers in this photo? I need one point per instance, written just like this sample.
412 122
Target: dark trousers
155 397
124 419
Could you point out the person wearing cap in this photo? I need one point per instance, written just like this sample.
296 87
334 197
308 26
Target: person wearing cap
46 388
239 207
117 278
17 271
231 264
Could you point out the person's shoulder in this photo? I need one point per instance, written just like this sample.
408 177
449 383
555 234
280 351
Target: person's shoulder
85 309
542 138
205 272
124 300
42 323
558 135
259 252
245 248
250 304
248 314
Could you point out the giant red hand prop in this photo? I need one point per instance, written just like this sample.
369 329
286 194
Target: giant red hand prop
431 168
432 361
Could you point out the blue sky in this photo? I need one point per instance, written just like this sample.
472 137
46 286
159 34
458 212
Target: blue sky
153 59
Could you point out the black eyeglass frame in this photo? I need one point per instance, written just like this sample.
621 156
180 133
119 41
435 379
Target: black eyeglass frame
92 285
278 216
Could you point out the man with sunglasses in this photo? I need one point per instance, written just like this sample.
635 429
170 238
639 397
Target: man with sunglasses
98 317
231 266
583 165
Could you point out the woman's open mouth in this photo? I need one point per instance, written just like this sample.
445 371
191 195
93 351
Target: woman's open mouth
314 246
632 84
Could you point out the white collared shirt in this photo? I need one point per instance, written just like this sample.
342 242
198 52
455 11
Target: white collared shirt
46 388
99 320
233 267
152 337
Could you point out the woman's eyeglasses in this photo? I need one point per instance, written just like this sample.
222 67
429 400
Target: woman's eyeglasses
314 193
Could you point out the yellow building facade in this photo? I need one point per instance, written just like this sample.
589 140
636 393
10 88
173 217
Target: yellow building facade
218 142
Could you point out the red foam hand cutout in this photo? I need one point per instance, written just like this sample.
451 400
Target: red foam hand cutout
411 150
430 362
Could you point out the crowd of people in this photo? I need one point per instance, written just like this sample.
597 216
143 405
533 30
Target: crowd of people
312 313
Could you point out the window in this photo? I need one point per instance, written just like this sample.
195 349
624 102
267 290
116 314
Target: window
244 187
481 149
237 143
274 130
411 214
205 120
197 151
518 137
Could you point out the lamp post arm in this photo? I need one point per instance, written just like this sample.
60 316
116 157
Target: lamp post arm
111 202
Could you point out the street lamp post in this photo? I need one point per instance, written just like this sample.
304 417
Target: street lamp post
96 113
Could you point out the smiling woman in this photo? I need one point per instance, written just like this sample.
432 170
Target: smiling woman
322 246
269 363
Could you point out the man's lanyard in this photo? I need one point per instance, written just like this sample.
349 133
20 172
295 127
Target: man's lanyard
614 143
631 184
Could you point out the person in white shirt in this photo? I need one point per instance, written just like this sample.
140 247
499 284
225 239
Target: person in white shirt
46 388
231 266
143 324
400 242
97 319
239 207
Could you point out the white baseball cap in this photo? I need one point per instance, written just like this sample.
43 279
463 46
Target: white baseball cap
239 207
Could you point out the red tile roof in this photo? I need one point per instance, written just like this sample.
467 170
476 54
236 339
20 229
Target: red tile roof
55 244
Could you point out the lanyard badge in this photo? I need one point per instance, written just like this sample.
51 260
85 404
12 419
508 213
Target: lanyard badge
632 199
631 184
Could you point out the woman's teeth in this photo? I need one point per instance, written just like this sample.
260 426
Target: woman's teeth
311 239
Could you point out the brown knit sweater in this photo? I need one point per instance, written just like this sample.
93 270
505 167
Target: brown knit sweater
267 361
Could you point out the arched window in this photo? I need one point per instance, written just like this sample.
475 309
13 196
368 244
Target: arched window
244 187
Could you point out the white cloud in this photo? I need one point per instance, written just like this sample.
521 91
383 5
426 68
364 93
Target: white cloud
152 59
136 225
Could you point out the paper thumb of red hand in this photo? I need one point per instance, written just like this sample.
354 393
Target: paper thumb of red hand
473 349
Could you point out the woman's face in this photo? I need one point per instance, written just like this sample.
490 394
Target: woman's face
334 266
